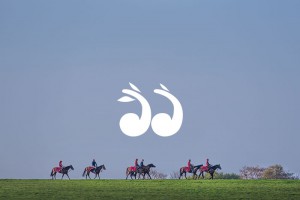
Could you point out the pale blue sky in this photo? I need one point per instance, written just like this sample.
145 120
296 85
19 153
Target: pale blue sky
234 65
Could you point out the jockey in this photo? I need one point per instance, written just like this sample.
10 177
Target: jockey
189 166
94 164
142 163
136 164
206 166
207 163
60 165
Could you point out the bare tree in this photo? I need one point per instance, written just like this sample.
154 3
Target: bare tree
255 172
174 175
156 175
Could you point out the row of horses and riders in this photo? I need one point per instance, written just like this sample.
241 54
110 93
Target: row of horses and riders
139 169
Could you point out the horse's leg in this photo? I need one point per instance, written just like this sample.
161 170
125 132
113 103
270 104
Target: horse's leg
99 175
149 175
127 173
185 175
68 176
62 176
180 173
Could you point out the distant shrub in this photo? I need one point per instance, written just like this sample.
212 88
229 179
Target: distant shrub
221 175
276 172
271 172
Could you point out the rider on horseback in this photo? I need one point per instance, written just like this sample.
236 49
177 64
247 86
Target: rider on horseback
207 163
206 167
142 163
60 165
188 168
94 164
136 164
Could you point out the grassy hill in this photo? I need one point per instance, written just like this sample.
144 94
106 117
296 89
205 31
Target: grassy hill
149 189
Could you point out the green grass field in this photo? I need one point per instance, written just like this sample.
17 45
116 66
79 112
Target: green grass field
150 189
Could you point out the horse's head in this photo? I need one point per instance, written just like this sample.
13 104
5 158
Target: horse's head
151 165
218 166
71 167
103 167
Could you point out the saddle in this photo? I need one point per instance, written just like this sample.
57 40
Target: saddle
188 170
89 168
58 169
205 168
133 168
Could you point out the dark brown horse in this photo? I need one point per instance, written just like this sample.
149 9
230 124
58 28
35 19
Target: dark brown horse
193 170
96 171
63 171
211 170
145 170
130 171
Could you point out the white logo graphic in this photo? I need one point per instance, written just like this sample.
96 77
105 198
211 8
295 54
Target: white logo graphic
131 124
162 124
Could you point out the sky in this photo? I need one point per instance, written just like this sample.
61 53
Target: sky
233 65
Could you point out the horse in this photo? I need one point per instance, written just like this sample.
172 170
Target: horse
145 170
193 170
96 171
130 171
196 168
63 171
211 170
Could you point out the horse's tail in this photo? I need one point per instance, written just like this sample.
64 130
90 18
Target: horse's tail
127 171
51 174
84 172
